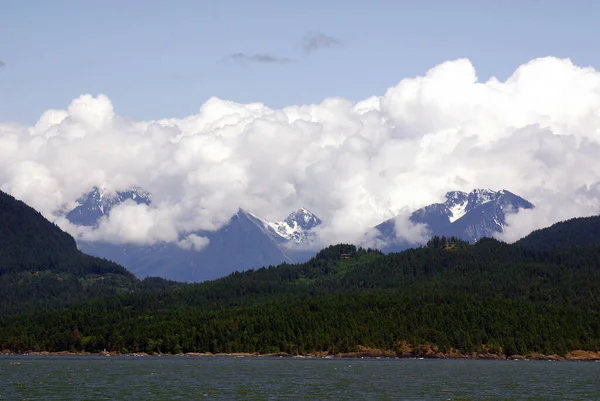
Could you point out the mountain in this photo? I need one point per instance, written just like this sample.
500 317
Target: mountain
581 231
40 264
248 241
446 299
241 244
468 216
297 227
244 242
99 202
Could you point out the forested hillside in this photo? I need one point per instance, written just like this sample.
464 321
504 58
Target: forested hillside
446 297
582 231
40 264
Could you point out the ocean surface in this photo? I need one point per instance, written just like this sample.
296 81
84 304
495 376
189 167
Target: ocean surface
184 378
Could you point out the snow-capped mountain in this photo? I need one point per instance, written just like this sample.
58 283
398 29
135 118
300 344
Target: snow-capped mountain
99 202
248 241
296 227
245 242
470 216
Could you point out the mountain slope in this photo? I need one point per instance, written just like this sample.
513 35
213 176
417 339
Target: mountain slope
40 265
245 242
583 231
99 202
29 242
490 298
296 227
469 216
241 244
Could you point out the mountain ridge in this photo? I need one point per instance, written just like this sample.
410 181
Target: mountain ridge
245 241
579 231
447 297
40 264
469 216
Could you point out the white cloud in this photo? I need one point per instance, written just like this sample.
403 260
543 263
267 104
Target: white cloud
406 233
194 242
409 232
130 222
536 134
582 202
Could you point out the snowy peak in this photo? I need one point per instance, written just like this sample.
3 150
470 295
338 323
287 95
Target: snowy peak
100 200
470 216
103 196
296 226
303 218
456 205
456 197
460 203
473 215
478 197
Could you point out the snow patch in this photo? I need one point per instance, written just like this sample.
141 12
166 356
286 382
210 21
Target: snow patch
284 229
457 211
484 195
296 227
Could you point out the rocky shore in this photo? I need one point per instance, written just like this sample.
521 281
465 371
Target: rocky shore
576 355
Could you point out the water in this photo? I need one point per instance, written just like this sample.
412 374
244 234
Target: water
182 378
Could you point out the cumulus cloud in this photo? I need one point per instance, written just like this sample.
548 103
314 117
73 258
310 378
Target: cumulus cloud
263 58
409 232
315 41
133 223
194 242
581 202
355 165
406 233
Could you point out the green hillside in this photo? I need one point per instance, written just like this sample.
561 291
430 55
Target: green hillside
445 297
581 231
489 296
40 265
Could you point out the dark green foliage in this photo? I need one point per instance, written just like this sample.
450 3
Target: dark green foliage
40 265
583 231
510 299
506 298
29 242
335 252
437 242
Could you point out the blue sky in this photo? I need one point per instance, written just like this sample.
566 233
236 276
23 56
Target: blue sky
157 59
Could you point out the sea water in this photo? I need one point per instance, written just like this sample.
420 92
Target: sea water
228 378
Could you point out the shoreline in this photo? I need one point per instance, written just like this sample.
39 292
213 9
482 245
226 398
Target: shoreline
573 356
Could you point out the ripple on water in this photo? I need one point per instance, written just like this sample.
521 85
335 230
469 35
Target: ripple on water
166 378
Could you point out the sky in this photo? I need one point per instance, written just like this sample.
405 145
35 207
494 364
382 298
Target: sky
360 111
158 58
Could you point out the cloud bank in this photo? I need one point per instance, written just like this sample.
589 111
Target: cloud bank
536 134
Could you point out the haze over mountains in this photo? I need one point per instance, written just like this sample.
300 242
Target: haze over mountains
248 241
